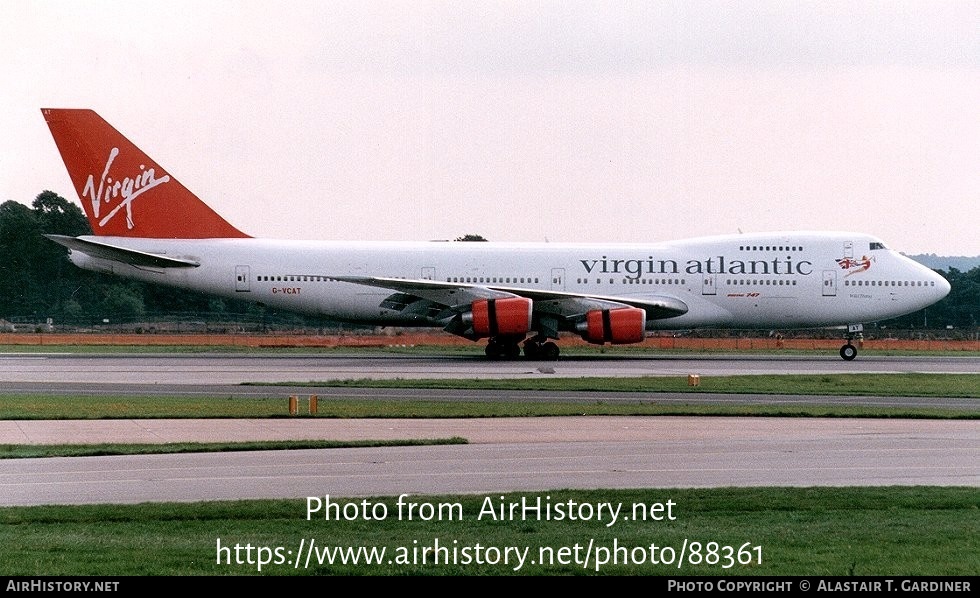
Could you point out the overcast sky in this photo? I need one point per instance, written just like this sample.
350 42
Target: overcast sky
521 121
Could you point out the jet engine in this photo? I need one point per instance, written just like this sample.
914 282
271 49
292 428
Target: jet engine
617 326
502 317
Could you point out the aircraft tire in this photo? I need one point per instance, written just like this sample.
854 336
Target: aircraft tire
549 351
848 352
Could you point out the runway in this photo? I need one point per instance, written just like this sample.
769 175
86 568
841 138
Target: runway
503 454
220 368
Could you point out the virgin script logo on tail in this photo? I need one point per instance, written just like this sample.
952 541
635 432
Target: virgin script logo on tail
129 188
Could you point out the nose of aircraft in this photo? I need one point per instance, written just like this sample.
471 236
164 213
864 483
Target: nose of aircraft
937 285
942 287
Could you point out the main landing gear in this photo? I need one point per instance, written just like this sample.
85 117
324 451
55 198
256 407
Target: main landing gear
541 348
510 348
503 348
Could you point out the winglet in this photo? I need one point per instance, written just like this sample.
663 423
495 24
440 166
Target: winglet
123 192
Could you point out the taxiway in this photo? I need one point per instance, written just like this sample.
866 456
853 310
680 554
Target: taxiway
502 454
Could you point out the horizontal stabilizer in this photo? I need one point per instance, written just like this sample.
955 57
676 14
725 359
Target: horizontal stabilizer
121 254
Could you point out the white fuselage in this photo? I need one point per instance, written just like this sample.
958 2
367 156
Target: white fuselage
776 280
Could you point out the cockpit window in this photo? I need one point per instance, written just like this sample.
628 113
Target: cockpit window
877 245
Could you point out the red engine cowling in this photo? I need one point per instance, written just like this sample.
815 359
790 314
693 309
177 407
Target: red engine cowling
502 317
617 326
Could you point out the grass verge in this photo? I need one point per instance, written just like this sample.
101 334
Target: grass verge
74 408
43 407
893 531
900 385
26 451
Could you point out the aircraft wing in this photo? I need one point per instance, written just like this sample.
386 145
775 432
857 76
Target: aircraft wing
121 254
558 303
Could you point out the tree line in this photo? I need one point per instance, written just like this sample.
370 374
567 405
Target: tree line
39 282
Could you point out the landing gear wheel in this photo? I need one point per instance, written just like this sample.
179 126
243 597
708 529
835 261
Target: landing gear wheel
848 352
497 349
532 350
549 351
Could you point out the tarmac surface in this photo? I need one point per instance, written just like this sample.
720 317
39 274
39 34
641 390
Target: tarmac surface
501 454
222 368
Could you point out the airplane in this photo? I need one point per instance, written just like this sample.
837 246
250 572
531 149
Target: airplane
147 226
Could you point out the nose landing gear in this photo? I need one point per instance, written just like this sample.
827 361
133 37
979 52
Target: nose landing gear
848 352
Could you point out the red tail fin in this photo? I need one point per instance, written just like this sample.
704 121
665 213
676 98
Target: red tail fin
123 192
